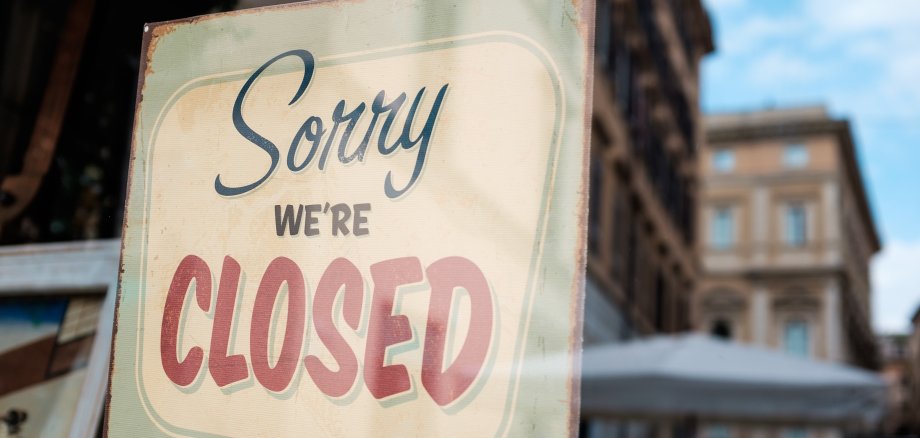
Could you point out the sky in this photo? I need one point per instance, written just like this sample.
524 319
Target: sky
860 58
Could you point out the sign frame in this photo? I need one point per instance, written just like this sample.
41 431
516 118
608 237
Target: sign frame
576 85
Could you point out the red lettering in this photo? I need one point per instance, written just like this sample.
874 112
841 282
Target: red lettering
183 372
445 382
444 276
341 274
226 369
279 271
386 329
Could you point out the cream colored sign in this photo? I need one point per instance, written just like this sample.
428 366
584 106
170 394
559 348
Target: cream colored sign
346 242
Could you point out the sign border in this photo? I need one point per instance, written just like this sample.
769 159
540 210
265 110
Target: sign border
522 41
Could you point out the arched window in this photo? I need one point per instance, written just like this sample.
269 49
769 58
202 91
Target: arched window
721 328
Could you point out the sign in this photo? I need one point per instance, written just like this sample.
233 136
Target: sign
357 218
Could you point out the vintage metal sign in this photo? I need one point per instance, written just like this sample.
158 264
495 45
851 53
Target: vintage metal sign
357 218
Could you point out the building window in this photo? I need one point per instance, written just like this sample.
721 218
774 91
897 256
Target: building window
594 203
603 33
796 338
723 228
620 235
796 225
795 156
661 298
723 160
722 328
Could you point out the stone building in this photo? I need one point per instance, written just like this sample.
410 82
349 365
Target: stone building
787 235
643 262
642 258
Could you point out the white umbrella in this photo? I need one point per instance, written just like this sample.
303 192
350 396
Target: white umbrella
702 377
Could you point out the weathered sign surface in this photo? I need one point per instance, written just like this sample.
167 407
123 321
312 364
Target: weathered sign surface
357 218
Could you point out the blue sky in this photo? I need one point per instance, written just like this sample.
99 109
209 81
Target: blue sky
861 58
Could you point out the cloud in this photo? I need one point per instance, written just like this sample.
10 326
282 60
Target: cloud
782 67
862 54
749 35
896 286
853 16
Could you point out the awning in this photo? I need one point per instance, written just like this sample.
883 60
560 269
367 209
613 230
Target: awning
702 377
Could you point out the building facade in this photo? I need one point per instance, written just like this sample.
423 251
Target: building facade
642 258
643 262
787 236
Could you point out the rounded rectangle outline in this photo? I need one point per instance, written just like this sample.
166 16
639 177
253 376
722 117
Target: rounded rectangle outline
533 47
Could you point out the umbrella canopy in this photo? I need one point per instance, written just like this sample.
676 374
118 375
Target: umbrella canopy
703 377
